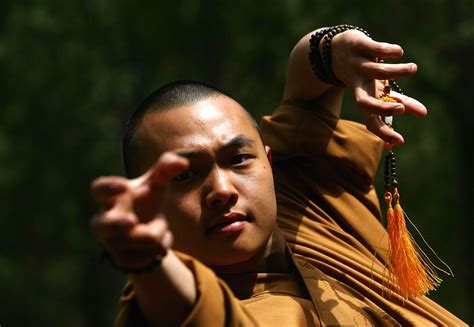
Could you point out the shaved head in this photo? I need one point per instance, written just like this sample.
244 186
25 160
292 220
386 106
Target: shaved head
167 97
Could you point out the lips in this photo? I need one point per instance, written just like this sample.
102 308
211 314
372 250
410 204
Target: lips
229 223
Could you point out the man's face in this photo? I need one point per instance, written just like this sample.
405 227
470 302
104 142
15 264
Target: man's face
223 209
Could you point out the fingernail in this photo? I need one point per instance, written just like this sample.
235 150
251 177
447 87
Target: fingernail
398 140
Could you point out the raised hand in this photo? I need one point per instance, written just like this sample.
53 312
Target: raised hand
131 227
354 61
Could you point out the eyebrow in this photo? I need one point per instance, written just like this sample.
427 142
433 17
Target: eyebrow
238 141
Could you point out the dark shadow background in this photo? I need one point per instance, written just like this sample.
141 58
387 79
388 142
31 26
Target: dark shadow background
72 71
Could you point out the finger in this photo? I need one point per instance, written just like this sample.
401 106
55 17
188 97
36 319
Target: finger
134 258
376 126
167 167
412 106
382 50
149 189
369 105
150 233
153 236
167 240
160 174
112 222
384 71
105 189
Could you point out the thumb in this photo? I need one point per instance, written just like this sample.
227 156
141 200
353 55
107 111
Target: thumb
166 168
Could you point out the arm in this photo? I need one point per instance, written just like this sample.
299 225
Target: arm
301 83
134 233
168 293
328 209
324 159
353 62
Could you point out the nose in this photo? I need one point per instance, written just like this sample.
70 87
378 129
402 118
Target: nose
222 191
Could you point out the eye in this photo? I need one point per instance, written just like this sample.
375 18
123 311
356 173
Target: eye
184 176
240 158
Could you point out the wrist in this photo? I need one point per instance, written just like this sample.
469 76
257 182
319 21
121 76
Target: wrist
153 263
167 293
320 53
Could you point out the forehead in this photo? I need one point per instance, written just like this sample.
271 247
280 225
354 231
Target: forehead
207 123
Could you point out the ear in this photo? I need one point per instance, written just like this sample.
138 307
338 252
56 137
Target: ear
268 151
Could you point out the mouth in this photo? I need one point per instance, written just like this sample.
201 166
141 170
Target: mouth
230 223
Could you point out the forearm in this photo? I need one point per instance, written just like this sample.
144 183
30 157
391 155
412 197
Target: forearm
302 85
167 294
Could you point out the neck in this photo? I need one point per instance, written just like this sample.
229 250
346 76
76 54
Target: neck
272 259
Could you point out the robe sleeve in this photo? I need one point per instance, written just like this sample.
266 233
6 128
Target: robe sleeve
328 209
216 305
323 169
310 133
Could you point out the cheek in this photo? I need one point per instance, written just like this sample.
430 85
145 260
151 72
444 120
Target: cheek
266 177
267 193
182 211
260 189
183 214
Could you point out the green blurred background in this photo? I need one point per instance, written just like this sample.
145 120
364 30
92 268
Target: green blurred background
72 71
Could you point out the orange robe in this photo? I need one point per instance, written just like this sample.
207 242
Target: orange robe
329 214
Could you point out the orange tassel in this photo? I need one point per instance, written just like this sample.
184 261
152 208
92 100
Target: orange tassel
414 273
412 270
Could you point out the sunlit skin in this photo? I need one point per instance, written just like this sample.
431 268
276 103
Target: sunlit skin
229 177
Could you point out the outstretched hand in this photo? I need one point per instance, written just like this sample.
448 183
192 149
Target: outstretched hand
131 227
354 62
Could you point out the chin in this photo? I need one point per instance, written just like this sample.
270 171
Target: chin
240 253
229 259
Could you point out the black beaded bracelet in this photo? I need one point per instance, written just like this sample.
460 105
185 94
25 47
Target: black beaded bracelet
322 66
315 56
105 256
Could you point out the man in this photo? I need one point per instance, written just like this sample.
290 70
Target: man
201 175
